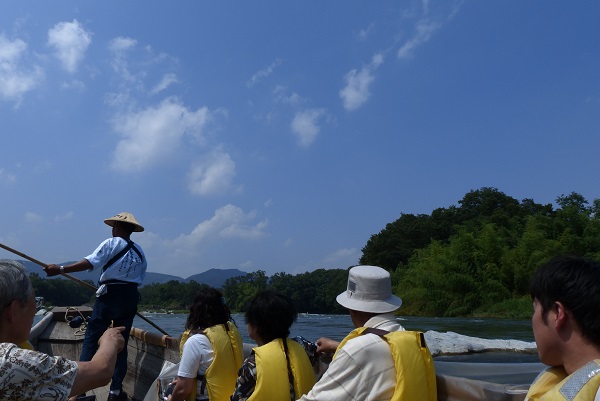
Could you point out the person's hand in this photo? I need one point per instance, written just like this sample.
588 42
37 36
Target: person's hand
113 336
326 345
52 270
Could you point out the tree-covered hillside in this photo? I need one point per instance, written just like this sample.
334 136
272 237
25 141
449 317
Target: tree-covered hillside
478 258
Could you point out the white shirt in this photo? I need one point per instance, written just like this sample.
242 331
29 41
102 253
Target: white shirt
128 268
363 368
196 358
32 375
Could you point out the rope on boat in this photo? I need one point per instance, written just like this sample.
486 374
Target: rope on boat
78 322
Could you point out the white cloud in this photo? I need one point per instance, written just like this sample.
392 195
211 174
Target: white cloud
342 258
424 30
31 217
305 125
5 176
154 135
356 92
119 47
264 73
213 175
280 95
70 41
165 82
17 77
228 221
63 217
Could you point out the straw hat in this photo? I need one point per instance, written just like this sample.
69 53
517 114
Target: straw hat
125 217
369 290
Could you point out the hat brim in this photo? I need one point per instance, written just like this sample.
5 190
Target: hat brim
138 228
380 306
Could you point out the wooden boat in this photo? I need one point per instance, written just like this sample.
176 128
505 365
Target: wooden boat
149 352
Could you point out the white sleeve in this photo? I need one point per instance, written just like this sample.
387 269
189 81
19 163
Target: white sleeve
196 357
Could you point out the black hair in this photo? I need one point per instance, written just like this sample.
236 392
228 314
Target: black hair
207 310
575 282
272 314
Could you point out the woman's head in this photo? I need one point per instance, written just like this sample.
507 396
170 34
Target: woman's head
271 314
208 309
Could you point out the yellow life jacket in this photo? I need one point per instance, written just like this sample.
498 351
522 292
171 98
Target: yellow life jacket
25 345
272 380
554 384
228 355
415 372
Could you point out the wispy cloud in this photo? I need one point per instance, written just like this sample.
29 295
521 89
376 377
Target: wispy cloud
264 73
166 81
213 175
63 217
5 176
120 47
17 76
305 125
342 258
70 41
424 30
356 92
31 217
153 135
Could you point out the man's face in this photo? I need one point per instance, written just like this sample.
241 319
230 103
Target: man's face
545 335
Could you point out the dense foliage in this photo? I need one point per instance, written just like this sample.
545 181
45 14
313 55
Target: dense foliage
472 259
480 256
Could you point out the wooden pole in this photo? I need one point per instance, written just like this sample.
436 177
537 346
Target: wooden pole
76 280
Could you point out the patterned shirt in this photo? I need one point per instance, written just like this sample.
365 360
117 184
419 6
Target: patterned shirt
246 382
32 375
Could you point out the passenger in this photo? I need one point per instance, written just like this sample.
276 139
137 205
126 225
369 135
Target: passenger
278 368
31 375
212 351
378 360
566 327
123 267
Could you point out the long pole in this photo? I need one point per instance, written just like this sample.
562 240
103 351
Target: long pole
76 280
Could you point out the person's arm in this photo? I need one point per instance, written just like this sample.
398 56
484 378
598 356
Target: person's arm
327 345
183 388
98 372
54 270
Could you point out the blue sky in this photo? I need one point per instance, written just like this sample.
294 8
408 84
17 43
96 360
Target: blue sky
281 135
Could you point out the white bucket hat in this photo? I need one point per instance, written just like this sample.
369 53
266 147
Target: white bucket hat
125 217
369 290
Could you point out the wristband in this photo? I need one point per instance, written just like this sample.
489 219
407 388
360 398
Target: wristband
62 270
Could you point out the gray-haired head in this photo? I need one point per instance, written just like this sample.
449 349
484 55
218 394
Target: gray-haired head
14 283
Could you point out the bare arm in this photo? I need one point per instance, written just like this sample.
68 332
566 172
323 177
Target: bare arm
54 270
182 389
98 372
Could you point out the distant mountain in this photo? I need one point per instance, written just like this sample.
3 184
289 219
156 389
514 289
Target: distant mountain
212 277
215 277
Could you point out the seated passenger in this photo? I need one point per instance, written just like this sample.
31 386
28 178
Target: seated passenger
211 351
31 375
278 368
378 360
566 327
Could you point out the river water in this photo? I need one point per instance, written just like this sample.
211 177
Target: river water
313 326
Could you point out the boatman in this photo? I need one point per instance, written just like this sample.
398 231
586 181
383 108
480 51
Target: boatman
378 361
123 268
31 375
566 327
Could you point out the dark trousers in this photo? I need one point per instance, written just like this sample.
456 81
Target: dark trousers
118 305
